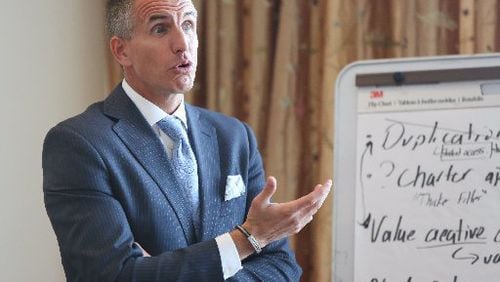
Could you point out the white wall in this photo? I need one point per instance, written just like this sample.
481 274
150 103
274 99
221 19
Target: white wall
52 65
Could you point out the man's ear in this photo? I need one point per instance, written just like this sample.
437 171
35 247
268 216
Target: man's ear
119 50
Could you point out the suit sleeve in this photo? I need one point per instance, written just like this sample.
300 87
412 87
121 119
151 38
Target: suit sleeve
95 239
276 262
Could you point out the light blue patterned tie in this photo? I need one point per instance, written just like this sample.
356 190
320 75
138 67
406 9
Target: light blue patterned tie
183 162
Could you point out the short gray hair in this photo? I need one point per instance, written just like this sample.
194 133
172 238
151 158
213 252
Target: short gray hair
119 21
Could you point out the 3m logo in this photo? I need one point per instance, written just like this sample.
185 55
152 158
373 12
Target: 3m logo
376 94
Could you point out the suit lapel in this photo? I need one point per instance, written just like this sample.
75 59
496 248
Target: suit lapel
147 148
204 141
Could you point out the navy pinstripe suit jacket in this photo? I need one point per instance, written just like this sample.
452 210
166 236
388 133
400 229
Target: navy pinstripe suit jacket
107 184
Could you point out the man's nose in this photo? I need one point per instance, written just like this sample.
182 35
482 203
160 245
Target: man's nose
179 41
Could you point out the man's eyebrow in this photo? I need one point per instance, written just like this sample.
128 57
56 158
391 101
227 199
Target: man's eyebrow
190 13
166 16
158 17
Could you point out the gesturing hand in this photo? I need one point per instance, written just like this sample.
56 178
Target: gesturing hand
269 222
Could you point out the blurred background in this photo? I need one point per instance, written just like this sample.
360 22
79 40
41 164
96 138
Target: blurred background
270 63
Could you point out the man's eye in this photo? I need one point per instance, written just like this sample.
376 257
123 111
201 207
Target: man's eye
159 29
188 25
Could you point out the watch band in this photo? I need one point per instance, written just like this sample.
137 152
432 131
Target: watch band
255 244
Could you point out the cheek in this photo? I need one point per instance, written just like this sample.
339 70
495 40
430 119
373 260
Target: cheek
195 42
149 58
194 49
140 55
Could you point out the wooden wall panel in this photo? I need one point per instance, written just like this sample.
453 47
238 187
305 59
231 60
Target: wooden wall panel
339 20
211 35
363 27
277 158
428 17
228 47
497 28
448 27
257 48
485 26
410 28
398 27
467 30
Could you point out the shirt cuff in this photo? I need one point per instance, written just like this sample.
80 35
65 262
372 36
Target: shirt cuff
229 257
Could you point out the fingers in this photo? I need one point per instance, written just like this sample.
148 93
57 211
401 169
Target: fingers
326 187
325 190
270 222
307 206
265 196
314 198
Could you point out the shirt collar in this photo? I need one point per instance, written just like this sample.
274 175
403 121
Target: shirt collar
151 112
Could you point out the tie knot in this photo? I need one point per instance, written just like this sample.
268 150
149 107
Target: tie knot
172 127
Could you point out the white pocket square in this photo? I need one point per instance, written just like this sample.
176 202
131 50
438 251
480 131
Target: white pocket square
234 187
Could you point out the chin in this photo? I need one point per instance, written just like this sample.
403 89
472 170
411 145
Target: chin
185 87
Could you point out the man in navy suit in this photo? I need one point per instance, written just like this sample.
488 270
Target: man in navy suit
115 204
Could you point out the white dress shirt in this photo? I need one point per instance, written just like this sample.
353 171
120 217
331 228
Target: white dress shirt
230 259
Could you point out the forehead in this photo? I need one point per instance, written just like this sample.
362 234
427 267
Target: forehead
145 9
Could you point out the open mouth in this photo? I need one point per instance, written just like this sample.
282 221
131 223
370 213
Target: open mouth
184 65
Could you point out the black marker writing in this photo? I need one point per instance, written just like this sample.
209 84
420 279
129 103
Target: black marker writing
421 178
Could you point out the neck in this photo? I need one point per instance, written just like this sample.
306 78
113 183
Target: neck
168 102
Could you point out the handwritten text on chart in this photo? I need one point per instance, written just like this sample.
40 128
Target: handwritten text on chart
421 187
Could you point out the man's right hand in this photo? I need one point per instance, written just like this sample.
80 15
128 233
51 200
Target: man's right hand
269 222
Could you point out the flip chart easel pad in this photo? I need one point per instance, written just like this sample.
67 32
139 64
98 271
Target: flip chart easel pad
370 194
428 185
